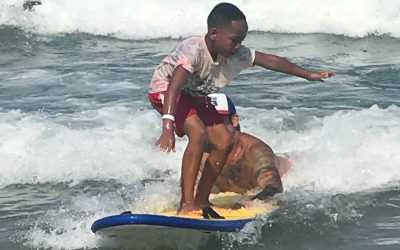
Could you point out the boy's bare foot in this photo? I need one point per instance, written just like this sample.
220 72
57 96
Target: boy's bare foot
189 209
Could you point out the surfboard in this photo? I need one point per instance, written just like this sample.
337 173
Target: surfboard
128 223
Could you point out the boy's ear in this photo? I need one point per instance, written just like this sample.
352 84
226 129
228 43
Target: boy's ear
213 33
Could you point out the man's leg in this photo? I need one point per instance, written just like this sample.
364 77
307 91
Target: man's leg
196 132
221 141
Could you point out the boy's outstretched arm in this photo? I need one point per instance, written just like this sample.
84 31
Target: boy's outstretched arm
281 64
178 79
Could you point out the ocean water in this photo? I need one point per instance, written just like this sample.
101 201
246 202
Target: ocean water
77 132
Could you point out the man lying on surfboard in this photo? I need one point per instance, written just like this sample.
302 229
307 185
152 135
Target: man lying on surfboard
251 165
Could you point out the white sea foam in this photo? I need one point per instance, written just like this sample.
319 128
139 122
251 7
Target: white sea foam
34 148
346 151
62 229
177 18
69 226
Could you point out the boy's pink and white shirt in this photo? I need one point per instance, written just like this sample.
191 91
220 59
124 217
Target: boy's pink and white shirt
206 76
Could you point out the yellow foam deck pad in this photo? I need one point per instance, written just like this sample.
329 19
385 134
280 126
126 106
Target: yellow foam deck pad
224 203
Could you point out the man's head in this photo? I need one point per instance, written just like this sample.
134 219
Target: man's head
227 28
225 107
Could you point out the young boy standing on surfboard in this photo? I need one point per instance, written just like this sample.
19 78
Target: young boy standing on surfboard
199 66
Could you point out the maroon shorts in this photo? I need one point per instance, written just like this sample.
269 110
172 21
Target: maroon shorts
186 106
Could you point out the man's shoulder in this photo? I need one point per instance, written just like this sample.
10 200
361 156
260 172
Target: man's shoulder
249 138
253 143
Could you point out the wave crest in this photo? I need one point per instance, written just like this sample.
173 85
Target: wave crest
157 19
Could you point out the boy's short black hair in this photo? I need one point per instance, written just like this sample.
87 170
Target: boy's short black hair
223 14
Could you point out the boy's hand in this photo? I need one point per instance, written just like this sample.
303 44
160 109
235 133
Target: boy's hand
167 138
320 76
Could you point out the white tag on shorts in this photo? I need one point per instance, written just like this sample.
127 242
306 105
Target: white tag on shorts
220 102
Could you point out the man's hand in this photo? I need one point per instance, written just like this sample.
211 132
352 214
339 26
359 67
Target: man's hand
266 193
167 138
320 76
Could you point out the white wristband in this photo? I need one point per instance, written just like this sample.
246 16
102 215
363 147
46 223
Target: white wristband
169 117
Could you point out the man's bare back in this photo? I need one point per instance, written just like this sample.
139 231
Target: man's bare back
251 164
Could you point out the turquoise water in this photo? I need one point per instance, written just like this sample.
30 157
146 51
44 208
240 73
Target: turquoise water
77 132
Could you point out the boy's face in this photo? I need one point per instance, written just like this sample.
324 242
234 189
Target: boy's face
228 39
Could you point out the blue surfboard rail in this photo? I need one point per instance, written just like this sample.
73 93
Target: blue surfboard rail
219 225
